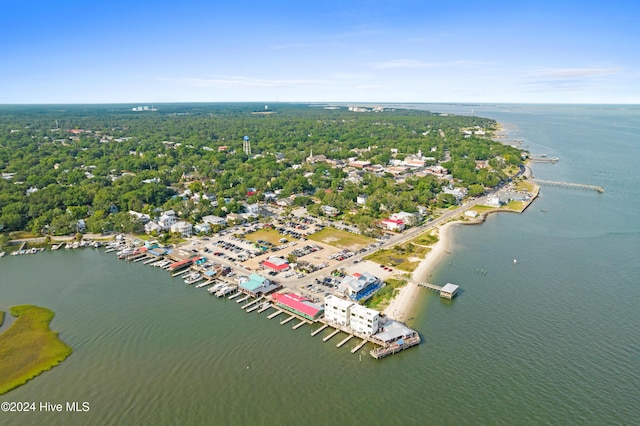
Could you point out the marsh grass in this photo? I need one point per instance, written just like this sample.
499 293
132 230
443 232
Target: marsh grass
29 347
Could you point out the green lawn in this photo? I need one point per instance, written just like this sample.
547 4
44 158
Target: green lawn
341 239
382 297
268 234
29 347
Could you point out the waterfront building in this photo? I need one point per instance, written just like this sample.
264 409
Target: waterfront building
214 220
298 305
359 285
363 320
448 291
336 310
257 285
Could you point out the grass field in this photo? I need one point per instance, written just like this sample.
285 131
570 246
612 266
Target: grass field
29 347
381 299
406 256
341 239
268 234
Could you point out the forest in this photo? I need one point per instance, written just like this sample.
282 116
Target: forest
62 163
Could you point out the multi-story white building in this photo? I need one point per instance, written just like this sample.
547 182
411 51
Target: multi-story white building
185 229
337 310
363 320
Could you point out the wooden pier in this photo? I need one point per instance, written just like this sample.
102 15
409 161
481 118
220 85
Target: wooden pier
319 330
286 320
233 296
253 302
242 299
275 314
177 274
333 333
345 340
359 346
264 308
431 286
300 324
597 188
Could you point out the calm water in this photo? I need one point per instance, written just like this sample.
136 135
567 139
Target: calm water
553 339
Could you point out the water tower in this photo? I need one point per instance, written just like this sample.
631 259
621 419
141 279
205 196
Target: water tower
246 145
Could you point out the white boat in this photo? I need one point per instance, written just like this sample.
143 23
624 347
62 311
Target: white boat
192 278
3 253
215 288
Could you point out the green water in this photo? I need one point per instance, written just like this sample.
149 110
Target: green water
552 339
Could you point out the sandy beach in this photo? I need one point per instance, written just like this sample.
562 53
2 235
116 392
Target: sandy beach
402 306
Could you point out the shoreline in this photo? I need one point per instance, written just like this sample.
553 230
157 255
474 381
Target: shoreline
404 304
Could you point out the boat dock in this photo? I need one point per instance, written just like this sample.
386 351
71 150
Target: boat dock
319 330
264 308
345 340
275 314
300 324
329 336
235 295
359 346
286 320
597 188
242 299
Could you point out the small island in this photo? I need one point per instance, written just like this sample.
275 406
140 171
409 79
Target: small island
29 347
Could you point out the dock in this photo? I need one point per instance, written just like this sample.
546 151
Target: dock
150 260
253 302
359 346
333 333
447 291
300 324
345 340
319 330
177 274
275 314
233 296
242 299
597 188
284 321
264 308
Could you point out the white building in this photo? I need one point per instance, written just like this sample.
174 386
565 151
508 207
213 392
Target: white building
149 227
363 320
185 229
202 227
408 218
214 220
361 199
167 219
337 310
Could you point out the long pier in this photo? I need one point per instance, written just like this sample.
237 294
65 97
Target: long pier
569 185
431 286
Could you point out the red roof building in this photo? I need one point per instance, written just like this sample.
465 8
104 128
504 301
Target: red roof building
392 224
275 263
298 305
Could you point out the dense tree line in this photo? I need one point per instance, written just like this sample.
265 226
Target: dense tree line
63 163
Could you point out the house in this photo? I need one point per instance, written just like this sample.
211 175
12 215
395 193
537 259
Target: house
361 199
493 201
144 218
81 226
149 227
235 217
167 219
392 224
270 196
409 219
214 220
458 193
330 211
203 228
185 229
252 209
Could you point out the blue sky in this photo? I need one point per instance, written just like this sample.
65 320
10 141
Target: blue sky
315 51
